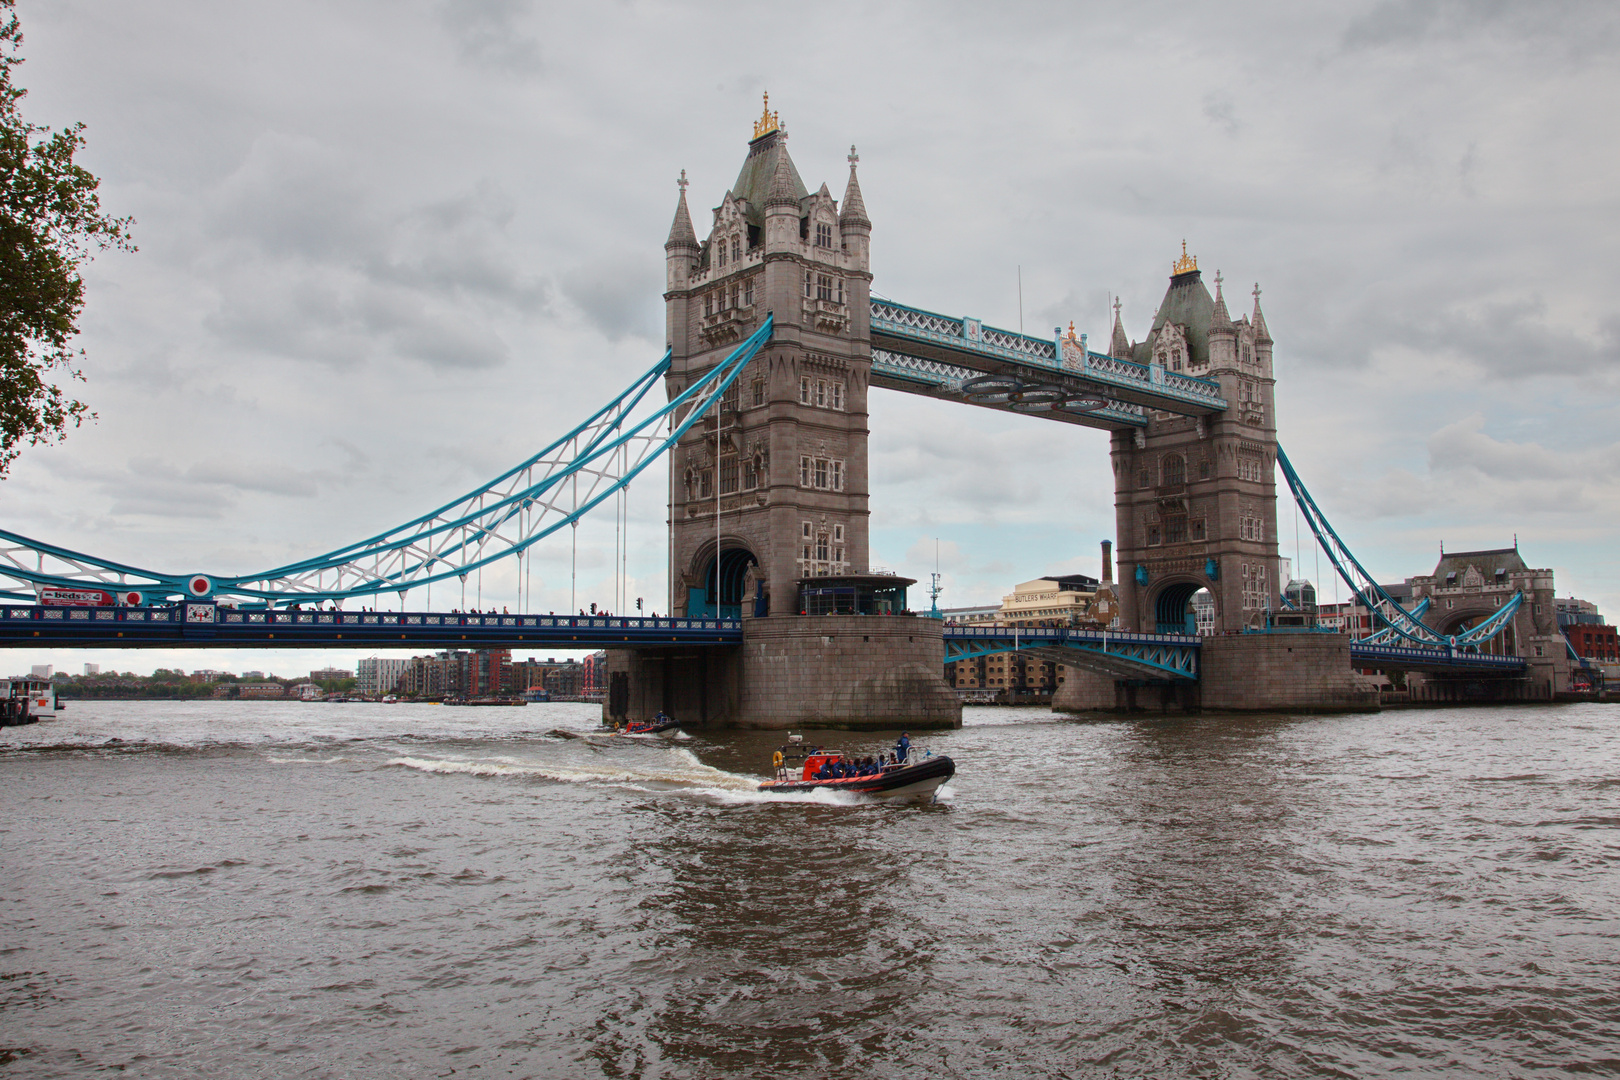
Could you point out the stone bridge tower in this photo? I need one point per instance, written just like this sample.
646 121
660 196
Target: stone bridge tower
784 463
1195 499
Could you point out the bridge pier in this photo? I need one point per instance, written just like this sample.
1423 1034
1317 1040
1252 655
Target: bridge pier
849 672
1258 672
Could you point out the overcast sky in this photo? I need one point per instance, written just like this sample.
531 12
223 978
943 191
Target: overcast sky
388 249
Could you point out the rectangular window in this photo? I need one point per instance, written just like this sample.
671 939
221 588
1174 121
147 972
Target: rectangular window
750 475
821 548
823 235
807 293
728 476
736 243
838 533
1197 529
804 475
708 304
706 484
823 287
748 293
759 392
805 531
1155 537
720 252
835 395
821 473
804 390
837 468
821 393
728 400
1175 529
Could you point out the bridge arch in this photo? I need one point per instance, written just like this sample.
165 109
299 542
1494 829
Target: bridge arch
735 559
1171 604
1459 621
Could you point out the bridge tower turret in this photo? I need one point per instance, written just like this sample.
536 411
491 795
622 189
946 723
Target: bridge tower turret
1195 498
784 463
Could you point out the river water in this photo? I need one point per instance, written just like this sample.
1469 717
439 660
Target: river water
262 889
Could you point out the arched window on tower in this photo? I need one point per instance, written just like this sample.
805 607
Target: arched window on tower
823 235
720 252
1175 469
736 248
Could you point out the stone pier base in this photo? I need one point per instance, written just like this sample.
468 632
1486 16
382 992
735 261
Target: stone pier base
1278 672
795 671
1282 672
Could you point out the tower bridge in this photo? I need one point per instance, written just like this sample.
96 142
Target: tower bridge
774 343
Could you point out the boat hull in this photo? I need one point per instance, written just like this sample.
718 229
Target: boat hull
919 781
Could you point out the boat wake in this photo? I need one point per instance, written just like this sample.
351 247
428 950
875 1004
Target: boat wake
676 770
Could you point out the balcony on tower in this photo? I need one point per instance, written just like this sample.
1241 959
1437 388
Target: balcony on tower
729 323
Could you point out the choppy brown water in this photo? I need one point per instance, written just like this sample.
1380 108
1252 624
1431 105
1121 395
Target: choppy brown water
286 890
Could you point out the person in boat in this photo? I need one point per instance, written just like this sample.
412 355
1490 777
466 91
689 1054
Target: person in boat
660 718
902 748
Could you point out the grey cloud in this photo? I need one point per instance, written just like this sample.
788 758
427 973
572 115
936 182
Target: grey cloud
1220 110
619 295
488 33
1576 26
328 276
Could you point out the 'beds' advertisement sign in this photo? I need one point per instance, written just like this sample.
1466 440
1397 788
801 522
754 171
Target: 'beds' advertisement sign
76 598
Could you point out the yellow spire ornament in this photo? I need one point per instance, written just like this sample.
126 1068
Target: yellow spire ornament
1186 264
768 121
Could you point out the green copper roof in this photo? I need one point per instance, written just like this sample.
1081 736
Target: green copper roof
753 184
1186 302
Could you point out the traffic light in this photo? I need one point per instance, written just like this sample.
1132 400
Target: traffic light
593 607
638 603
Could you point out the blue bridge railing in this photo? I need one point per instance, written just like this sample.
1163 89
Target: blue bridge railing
206 624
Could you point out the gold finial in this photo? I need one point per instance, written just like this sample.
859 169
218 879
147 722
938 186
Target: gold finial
1186 264
768 121
1071 329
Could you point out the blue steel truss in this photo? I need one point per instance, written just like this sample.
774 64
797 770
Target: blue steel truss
1400 622
1386 636
917 348
1119 653
502 519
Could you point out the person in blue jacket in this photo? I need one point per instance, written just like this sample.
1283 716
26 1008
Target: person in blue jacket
902 747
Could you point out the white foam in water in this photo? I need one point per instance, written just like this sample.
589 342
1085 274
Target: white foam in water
679 767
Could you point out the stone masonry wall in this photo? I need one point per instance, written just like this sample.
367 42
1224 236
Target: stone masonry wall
1282 672
845 671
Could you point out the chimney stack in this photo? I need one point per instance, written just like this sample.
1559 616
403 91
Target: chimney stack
1108 562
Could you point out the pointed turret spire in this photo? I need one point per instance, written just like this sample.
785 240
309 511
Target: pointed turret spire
784 192
681 233
1221 319
854 212
1120 347
1261 334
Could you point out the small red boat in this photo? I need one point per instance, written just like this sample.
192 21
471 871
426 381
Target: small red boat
918 777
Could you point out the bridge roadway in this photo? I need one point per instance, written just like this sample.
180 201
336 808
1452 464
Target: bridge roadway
197 624
204 625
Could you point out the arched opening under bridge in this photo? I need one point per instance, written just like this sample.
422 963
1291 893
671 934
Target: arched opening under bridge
733 571
1173 611
1457 623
